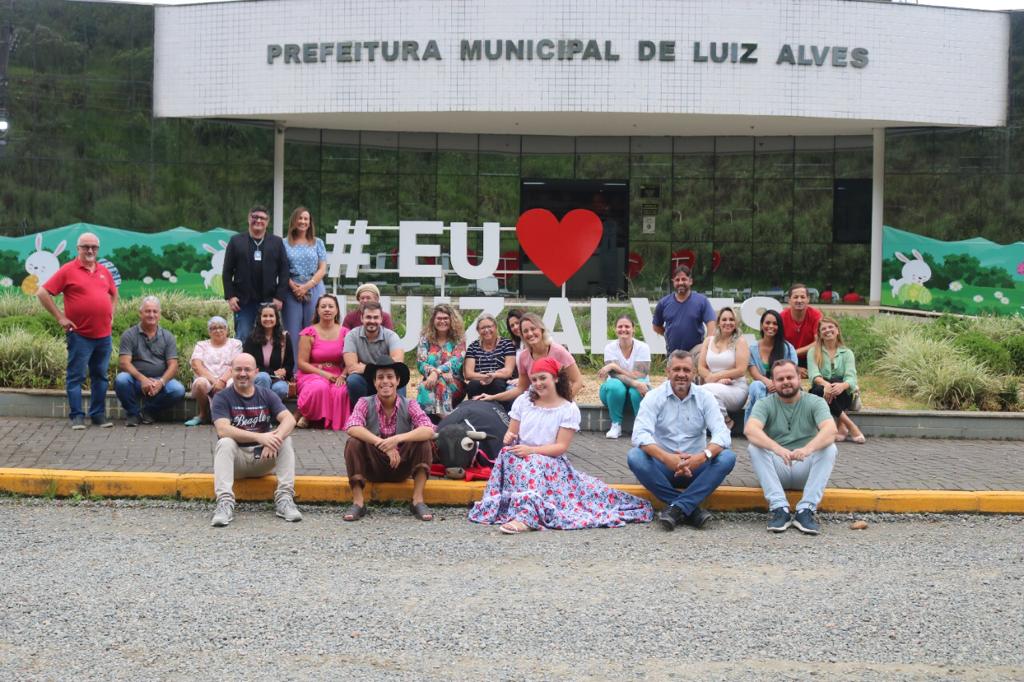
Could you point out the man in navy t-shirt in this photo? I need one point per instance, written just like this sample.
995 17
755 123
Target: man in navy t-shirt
681 316
254 430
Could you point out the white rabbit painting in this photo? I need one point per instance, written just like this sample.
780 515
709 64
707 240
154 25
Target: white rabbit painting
41 265
915 271
212 277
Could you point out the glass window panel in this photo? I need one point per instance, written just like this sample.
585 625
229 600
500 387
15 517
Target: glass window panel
339 198
773 157
378 198
731 277
979 151
854 156
812 210
812 265
734 209
649 263
771 267
340 153
849 269
734 157
650 156
661 206
548 166
693 157
417 153
499 154
302 149
773 211
602 158
814 157
499 200
378 153
301 188
417 197
456 198
694 209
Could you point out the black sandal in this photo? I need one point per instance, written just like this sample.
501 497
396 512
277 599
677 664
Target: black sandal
421 511
354 513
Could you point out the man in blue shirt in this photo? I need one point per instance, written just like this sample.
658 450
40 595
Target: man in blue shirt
671 456
682 315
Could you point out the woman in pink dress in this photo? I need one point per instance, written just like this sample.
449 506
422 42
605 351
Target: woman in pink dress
320 381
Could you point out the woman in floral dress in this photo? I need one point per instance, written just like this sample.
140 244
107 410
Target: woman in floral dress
533 485
439 357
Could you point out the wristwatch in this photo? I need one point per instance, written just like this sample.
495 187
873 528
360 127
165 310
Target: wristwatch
707 453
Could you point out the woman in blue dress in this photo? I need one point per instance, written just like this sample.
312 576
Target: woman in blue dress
307 265
771 347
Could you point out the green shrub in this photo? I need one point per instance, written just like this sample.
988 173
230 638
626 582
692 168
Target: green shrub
999 327
985 350
935 371
40 324
860 336
1015 347
30 360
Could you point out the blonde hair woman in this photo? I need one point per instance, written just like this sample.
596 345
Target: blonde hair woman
723 364
833 373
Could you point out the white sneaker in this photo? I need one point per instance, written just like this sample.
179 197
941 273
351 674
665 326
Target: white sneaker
224 514
286 509
615 431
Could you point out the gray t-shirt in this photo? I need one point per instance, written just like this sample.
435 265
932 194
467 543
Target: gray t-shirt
376 352
791 426
149 355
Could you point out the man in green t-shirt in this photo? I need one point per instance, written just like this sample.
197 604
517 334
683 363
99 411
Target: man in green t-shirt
792 445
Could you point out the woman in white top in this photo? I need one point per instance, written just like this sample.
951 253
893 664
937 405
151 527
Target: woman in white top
211 367
627 364
533 485
723 364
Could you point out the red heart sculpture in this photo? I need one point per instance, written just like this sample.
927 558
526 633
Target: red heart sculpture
559 249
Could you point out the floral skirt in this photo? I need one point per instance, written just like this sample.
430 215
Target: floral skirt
548 492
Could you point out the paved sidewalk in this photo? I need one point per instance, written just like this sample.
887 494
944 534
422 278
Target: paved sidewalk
882 463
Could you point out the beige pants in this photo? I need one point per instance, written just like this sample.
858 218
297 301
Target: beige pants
230 461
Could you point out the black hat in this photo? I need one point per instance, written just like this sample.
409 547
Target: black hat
401 371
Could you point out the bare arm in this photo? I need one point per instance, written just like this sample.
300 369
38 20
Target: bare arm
469 370
199 369
51 307
575 379
506 371
658 329
556 449
511 394
742 359
352 364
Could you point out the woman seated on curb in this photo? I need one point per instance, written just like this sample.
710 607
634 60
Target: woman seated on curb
536 345
627 363
490 360
533 485
270 345
771 347
322 391
723 364
211 366
833 374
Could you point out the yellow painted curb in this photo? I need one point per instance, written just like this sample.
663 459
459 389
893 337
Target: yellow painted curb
198 486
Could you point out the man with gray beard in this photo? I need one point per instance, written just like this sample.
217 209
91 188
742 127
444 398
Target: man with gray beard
254 428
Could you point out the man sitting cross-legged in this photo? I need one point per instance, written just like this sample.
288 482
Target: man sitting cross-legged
389 440
249 445
790 418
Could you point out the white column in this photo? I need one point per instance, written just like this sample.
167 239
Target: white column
279 179
877 221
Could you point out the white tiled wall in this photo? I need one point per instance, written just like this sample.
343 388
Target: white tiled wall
927 65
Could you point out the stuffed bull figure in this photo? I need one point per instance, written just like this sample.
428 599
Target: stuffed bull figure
471 436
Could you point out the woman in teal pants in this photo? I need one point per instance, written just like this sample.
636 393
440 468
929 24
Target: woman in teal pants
627 363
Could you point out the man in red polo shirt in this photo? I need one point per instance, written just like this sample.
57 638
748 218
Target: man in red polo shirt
89 299
801 320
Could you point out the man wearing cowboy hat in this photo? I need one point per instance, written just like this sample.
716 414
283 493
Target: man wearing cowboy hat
389 440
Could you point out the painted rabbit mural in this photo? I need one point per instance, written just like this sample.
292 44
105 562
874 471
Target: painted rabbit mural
212 278
41 266
910 285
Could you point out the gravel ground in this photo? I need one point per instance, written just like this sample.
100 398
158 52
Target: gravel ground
147 590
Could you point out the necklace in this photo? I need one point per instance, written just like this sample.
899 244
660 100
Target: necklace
789 414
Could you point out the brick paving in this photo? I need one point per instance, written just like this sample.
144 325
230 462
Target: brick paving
881 463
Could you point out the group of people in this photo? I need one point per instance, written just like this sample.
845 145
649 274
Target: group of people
347 372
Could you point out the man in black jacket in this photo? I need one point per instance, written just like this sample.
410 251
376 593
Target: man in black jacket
255 271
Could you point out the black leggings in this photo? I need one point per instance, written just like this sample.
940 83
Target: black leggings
840 403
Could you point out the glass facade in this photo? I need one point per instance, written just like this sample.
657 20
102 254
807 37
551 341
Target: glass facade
751 214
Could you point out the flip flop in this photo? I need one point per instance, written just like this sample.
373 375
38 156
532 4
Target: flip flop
421 511
513 528
354 513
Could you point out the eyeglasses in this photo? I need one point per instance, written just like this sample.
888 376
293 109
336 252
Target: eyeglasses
89 247
258 218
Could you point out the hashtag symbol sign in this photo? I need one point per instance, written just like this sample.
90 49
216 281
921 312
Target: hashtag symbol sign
348 241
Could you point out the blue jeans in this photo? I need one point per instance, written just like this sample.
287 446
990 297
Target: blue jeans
245 318
665 485
614 394
776 477
297 315
90 356
358 388
756 391
129 392
278 386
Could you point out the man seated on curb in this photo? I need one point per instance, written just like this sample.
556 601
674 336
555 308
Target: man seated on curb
792 445
148 360
249 445
370 344
388 440
671 449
